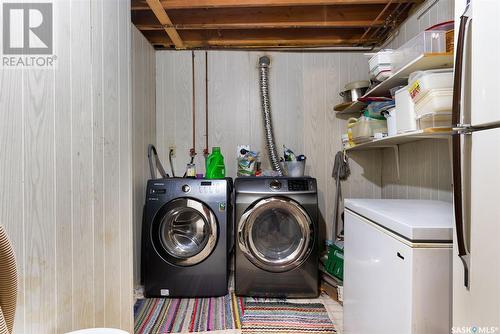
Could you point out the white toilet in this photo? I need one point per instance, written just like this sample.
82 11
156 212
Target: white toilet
99 331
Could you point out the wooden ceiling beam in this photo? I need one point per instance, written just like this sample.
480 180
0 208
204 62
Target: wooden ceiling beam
192 4
263 38
164 19
265 18
239 26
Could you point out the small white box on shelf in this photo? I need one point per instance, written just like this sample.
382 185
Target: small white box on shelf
405 111
435 101
421 82
432 41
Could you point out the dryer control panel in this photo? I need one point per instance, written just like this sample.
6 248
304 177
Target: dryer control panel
298 185
276 185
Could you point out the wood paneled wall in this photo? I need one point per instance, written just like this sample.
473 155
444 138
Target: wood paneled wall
304 87
143 130
425 165
65 174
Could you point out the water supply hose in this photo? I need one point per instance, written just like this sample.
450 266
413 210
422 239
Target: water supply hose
264 63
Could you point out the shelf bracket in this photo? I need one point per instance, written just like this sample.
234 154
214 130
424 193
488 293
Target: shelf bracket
395 149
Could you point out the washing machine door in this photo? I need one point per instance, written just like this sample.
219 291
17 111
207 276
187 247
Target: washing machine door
184 232
276 234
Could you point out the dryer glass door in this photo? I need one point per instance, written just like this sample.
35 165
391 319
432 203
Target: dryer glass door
276 234
185 232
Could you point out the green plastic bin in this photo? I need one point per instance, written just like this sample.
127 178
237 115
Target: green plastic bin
335 263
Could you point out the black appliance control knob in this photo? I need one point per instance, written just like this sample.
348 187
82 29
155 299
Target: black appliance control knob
186 188
275 185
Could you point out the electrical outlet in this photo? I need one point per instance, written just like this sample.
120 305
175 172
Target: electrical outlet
172 149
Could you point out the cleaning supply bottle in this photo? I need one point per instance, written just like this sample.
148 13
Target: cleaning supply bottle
215 165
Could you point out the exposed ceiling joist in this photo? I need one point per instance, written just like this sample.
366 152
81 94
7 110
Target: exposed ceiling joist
212 24
256 38
266 18
191 4
183 4
164 19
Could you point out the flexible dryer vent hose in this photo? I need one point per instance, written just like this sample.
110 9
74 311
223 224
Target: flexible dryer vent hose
8 284
264 63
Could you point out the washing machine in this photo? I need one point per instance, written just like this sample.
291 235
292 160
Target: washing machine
186 237
276 237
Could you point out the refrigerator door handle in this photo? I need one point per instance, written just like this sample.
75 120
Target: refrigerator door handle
463 252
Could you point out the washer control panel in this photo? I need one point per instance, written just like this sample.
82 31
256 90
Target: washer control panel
184 187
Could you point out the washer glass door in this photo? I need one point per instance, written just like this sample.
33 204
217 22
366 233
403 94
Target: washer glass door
185 232
276 234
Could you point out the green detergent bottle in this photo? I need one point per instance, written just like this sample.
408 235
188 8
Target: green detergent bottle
215 165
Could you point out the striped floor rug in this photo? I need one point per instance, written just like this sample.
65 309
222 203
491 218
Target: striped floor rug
285 317
174 315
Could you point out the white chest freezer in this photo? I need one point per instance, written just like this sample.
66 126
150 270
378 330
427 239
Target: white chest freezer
397 258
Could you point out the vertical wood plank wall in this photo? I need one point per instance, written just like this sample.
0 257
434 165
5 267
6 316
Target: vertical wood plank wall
66 171
304 89
143 130
425 165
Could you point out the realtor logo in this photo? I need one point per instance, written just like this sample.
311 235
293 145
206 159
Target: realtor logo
28 39
27 28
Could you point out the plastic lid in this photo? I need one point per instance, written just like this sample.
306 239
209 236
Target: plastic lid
216 149
437 115
418 74
443 26
432 93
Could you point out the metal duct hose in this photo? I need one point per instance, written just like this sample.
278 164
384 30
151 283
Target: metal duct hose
266 110
8 284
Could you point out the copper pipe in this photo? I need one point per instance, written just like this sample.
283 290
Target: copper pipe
394 19
205 151
376 19
380 31
193 148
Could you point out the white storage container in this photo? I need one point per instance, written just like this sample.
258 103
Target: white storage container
381 58
391 117
421 82
364 128
432 41
405 109
435 101
434 120
381 73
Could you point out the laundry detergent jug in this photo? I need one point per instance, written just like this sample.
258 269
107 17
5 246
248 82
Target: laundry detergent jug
215 165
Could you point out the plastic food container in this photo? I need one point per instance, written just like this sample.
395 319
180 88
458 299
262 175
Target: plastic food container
432 41
435 101
365 128
421 82
381 73
380 59
405 109
434 120
295 168
391 117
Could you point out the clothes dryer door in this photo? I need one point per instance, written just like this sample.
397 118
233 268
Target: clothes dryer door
276 234
184 232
